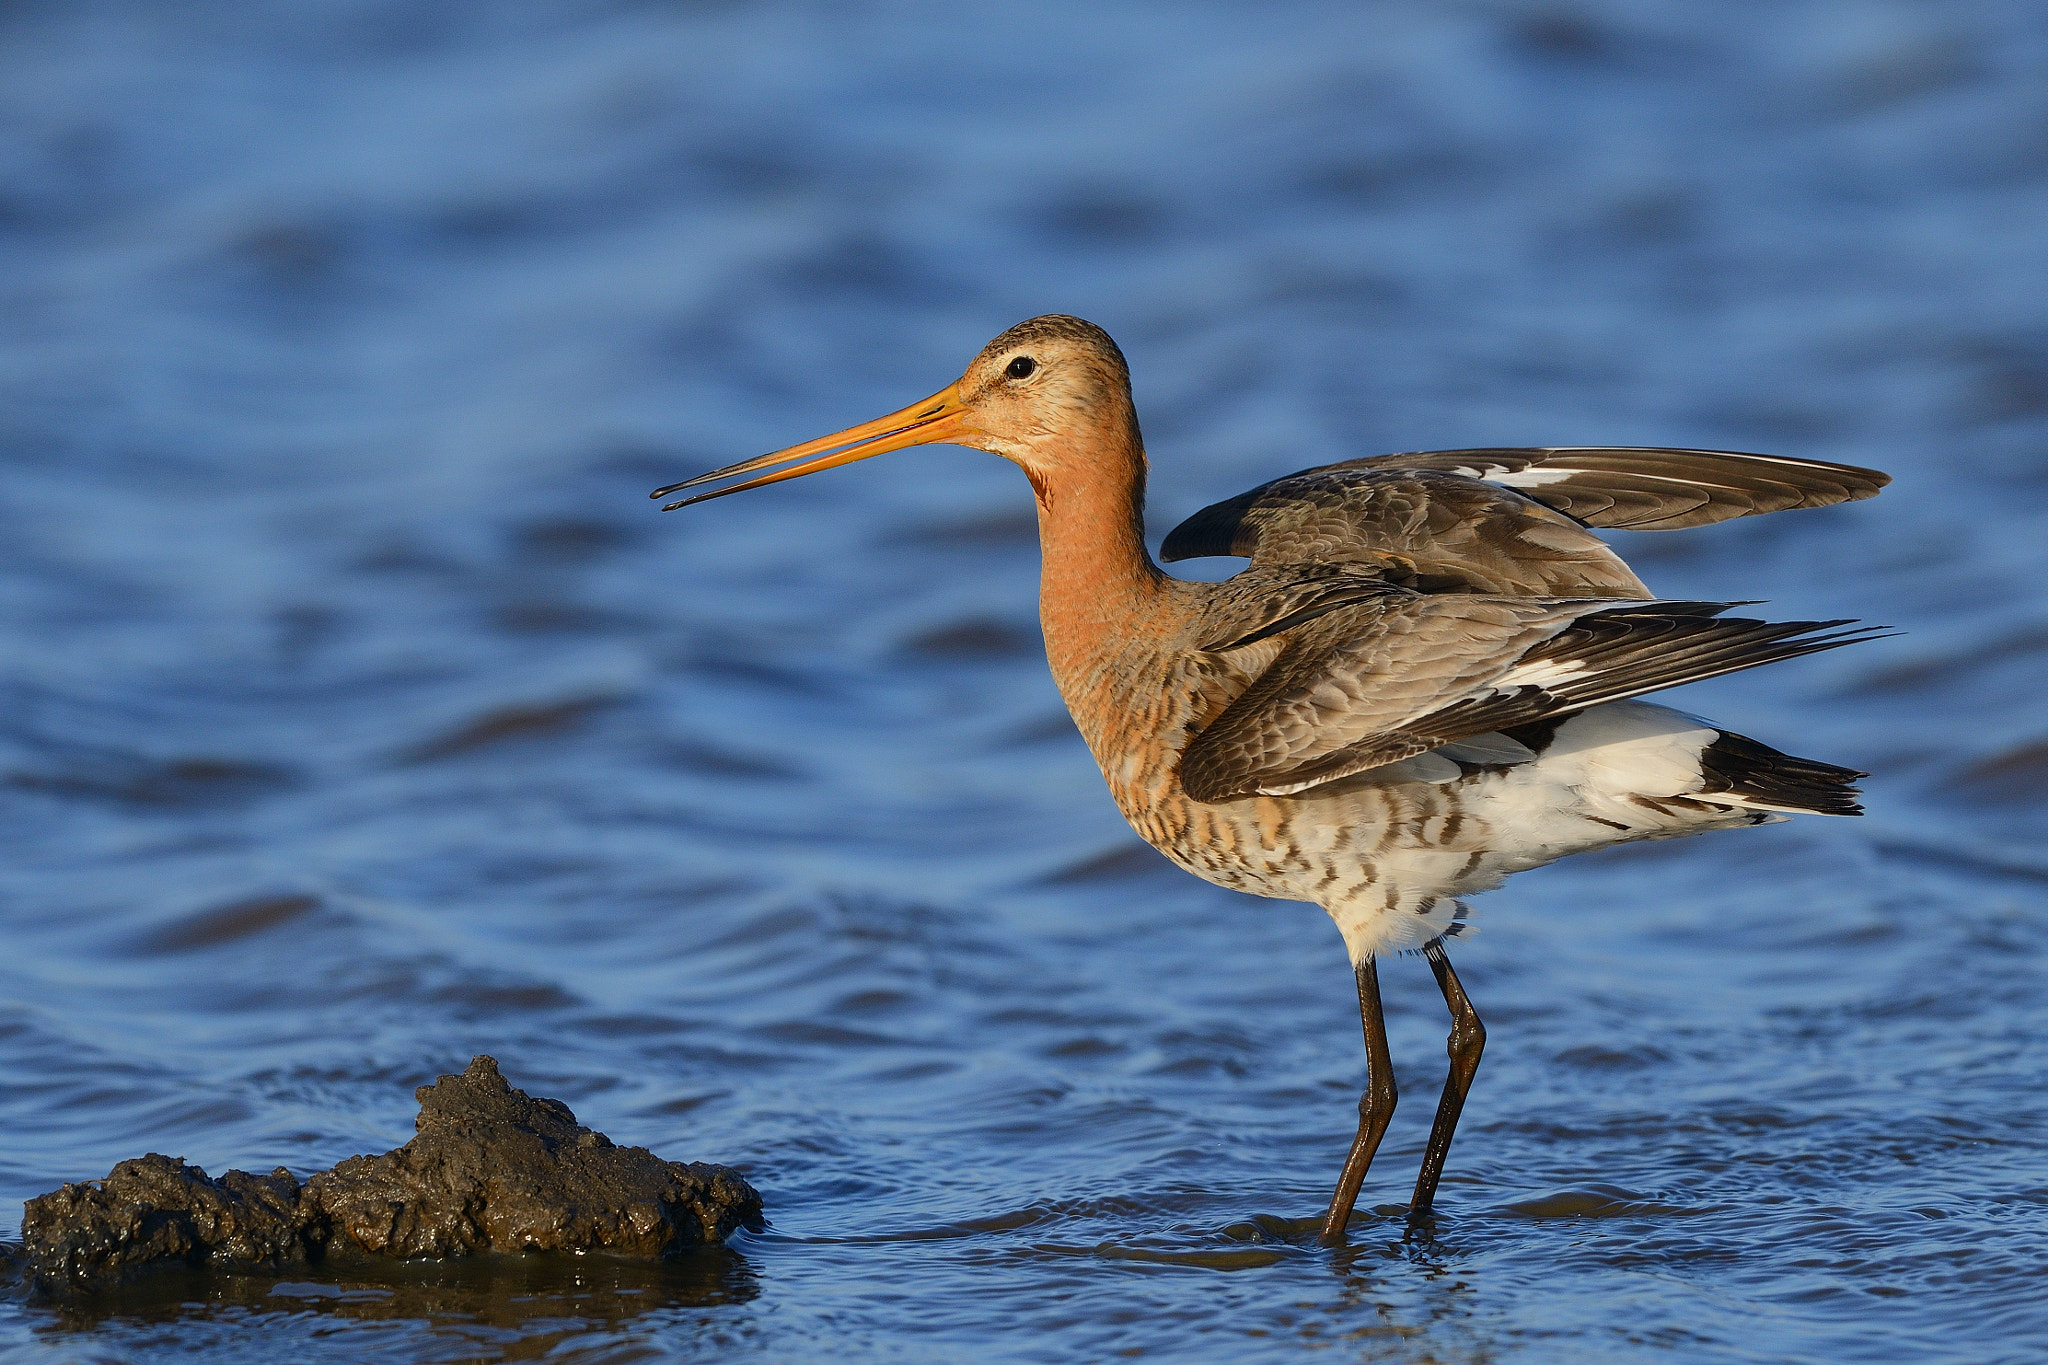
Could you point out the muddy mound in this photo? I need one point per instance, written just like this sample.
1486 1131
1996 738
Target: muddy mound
156 1208
491 1169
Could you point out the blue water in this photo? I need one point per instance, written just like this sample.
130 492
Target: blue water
361 713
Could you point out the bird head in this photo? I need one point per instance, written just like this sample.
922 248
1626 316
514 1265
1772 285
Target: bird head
1045 395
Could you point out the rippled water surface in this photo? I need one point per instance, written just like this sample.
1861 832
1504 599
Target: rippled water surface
361 714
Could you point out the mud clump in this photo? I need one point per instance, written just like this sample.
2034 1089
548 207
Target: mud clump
491 1169
156 1208
494 1168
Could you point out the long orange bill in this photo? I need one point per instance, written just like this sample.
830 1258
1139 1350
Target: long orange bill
938 419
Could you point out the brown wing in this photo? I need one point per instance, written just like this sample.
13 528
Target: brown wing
1432 530
1649 488
1396 675
1262 602
1638 488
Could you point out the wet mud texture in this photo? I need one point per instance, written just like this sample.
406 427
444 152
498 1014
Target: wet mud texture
492 1169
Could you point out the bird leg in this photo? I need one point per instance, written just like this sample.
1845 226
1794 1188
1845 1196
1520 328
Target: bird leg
1467 1041
1375 1106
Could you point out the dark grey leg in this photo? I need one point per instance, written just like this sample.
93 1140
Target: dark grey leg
1467 1041
1375 1106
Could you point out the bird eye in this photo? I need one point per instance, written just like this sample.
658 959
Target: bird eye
1023 367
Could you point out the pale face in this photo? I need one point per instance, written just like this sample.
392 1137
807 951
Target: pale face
1028 401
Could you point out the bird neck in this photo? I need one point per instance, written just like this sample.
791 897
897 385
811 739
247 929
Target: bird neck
1098 585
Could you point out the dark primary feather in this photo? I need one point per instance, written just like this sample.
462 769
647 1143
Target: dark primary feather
1384 679
1355 508
1649 488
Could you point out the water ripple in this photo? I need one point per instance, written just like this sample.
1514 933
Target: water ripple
360 714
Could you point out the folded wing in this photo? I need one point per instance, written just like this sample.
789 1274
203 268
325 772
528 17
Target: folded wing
1397 674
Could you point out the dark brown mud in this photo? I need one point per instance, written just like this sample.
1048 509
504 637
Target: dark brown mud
492 1169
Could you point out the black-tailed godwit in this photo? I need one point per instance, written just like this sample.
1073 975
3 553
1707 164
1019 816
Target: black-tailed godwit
1421 683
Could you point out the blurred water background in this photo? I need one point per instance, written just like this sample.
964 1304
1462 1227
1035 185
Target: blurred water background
361 714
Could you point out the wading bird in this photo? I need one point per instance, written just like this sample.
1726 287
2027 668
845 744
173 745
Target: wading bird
1420 684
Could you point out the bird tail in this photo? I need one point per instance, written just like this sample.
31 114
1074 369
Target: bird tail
1743 772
